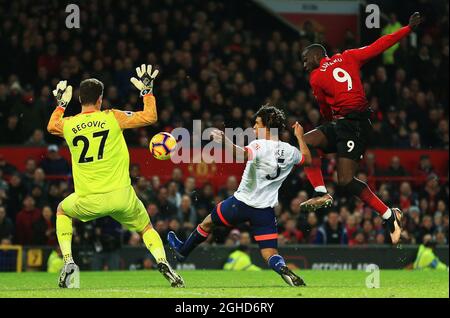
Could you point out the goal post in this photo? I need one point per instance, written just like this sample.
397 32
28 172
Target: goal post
11 258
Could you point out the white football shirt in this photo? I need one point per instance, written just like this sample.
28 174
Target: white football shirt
269 164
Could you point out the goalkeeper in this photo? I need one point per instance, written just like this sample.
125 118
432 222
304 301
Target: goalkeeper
100 163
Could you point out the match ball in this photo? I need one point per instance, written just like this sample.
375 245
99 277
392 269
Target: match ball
162 145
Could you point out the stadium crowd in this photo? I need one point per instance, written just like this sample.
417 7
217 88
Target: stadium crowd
217 67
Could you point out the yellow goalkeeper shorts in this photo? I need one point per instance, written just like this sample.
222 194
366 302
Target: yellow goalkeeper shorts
122 205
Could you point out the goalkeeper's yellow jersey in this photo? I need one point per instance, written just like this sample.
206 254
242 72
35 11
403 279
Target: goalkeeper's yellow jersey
100 158
99 153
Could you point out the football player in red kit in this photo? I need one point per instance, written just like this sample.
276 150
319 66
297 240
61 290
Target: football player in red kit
337 86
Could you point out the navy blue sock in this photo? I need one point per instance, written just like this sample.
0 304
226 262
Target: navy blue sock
197 237
276 262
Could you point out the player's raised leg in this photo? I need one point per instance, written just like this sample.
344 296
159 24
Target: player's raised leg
316 139
70 273
347 180
225 213
198 236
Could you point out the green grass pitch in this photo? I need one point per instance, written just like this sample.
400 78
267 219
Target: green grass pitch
222 284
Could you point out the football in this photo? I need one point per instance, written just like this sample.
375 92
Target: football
162 145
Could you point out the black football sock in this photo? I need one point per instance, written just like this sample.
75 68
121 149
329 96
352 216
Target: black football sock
197 237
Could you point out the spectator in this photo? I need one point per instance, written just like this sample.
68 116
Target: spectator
28 174
135 240
143 191
11 133
106 244
311 229
16 194
177 177
371 167
441 239
54 164
167 209
291 233
332 232
6 225
4 186
7 168
189 187
351 226
233 238
37 139
380 238
174 194
432 192
135 172
155 184
426 228
369 232
425 167
54 196
358 238
187 214
230 187
24 221
206 198
39 180
396 169
174 225
44 229
407 197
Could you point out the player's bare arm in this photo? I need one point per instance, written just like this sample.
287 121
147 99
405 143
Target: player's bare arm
63 95
149 115
238 152
306 154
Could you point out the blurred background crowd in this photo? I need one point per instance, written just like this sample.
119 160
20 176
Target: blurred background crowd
218 62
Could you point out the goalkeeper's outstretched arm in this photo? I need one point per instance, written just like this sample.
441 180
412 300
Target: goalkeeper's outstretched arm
143 118
63 95
149 116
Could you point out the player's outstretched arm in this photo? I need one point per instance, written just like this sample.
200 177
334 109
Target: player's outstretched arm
382 44
63 95
144 83
238 152
306 154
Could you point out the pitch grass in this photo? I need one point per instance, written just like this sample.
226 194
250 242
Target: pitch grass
222 284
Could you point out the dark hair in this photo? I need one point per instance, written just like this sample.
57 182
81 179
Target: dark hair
272 117
316 48
90 91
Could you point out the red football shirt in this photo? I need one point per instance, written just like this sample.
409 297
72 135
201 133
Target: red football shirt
336 83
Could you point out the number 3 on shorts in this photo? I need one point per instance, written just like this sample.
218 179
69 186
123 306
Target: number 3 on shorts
350 145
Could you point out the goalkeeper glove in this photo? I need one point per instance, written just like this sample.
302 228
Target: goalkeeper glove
63 94
145 79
